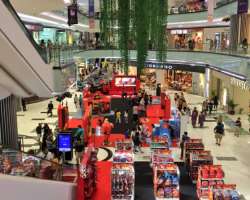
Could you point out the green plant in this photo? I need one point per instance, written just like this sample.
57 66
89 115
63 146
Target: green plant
241 111
123 31
231 106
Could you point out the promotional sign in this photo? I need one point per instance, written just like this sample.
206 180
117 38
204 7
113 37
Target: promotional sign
242 6
64 142
91 14
91 8
72 14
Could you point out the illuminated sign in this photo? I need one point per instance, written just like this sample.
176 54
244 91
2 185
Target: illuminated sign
244 85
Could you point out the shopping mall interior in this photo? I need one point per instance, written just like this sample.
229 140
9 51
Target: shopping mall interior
124 99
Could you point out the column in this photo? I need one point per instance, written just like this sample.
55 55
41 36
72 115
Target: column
8 120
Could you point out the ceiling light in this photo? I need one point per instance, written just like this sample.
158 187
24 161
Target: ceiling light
67 1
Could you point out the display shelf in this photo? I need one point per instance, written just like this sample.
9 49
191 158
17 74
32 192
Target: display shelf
123 178
208 176
224 192
166 181
123 156
124 145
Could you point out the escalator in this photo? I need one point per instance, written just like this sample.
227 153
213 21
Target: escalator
23 67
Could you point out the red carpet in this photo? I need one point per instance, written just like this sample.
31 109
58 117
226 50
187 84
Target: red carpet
98 140
154 111
103 188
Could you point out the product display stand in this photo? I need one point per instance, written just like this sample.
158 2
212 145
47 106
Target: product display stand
208 176
159 142
123 174
224 192
161 156
198 158
192 145
166 181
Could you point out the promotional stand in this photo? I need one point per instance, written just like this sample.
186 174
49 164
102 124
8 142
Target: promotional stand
86 181
123 174
63 116
208 176
224 192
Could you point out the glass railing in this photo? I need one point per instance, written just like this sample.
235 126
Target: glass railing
196 7
17 163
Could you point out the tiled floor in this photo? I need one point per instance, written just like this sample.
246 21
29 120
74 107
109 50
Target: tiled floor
237 172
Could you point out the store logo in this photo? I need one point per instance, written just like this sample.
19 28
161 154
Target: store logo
244 85
159 66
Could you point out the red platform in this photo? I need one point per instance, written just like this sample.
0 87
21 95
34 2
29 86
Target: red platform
155 111
99 140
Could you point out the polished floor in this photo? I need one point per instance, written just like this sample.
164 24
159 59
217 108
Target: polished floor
235 150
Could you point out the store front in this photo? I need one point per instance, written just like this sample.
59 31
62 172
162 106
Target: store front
179 38
230 89
173 76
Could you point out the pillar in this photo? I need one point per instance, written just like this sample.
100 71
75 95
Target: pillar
8 120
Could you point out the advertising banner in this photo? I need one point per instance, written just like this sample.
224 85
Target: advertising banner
91 14
242 6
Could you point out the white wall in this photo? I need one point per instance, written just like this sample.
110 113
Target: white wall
21 188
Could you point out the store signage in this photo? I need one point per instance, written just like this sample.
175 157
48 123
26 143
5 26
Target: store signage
242 6
34 27
91 8
159 65
72 14
244 85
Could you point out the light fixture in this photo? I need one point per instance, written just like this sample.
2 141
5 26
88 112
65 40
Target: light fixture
67 1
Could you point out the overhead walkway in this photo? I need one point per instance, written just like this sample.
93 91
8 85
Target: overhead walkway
235 65
23 71
222 10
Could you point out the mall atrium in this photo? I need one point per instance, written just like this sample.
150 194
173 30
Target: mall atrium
124 99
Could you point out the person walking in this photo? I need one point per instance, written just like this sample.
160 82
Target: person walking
194 117
107 128
39 132
184 139
150 99
76 101
24 105
210 106
219 131
146 100
80 101
202 118
79 149
125 115
118 117
50 108
237 127
216 102
137 141
135 113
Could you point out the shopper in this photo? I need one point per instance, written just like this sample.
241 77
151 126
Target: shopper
184 139
219 131
106 128
46 132
202 118
76 101
39 132
245 45
135 113
80 101
98 129
79 149
158 90
50 108
205 106
146 100
194 117
79 134
216 102
210 106
118 117
150 99
24 105
237 127
137 141
125 115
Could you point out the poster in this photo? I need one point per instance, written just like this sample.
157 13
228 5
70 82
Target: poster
242 6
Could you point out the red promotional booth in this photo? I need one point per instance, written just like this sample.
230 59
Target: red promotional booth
166 105
122 84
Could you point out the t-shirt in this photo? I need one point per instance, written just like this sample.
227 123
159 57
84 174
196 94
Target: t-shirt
219 128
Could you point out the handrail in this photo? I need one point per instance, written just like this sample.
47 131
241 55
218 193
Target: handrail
23 27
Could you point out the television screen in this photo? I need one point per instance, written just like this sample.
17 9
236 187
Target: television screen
64 142
125 81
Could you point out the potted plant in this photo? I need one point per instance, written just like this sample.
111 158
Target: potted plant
231 107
